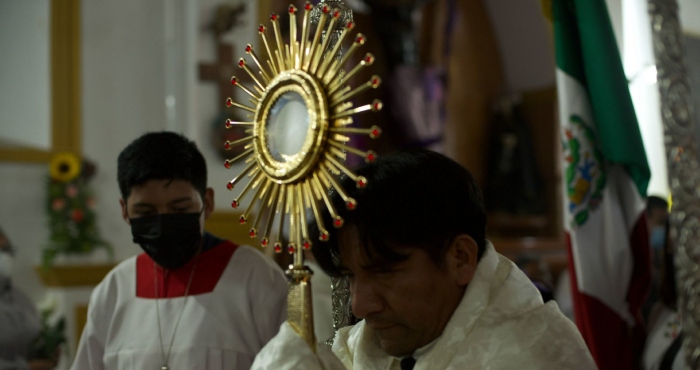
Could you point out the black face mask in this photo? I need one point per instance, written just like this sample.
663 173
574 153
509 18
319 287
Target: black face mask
170 239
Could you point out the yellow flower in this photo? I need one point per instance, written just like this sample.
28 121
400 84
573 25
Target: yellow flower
64 167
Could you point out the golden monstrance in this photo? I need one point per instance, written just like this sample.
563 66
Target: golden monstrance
301 115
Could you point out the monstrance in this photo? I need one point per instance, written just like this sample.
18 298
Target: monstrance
299 136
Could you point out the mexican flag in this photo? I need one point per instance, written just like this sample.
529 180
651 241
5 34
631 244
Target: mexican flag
605 180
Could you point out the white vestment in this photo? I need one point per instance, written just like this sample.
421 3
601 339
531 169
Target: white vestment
663 331
501 323
221 329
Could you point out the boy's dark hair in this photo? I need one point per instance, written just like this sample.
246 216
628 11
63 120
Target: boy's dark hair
161 156
415 198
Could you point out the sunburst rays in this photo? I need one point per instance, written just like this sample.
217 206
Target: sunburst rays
278 198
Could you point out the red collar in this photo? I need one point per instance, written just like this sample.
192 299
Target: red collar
172 283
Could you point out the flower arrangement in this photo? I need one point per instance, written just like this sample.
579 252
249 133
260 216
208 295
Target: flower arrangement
70 209
52 336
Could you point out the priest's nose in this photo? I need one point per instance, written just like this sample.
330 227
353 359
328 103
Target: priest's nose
366 299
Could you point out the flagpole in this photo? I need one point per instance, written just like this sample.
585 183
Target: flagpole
683 167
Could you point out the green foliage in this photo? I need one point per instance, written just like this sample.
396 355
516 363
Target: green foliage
71 219
50 338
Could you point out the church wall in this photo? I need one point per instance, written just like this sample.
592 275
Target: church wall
122 97
689 12
525 44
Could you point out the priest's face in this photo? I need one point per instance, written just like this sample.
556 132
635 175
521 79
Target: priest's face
408 303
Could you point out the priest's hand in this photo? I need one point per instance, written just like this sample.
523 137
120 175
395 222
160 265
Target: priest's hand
287 350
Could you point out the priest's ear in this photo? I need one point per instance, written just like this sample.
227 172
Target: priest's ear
461 259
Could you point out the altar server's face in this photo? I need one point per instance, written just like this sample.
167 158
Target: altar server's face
406 304
167 196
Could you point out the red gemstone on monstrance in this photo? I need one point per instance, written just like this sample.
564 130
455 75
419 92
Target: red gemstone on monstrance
227 164
234 81
323 236
253 233
242 219
241 62
278 247
273 17
234 203
229 186
291 249
229 123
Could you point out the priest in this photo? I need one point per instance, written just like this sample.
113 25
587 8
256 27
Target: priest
431 291
191 300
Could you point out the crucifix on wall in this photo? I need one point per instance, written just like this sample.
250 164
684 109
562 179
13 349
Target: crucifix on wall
220 72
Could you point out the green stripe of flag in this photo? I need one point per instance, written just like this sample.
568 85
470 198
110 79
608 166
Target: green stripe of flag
586 50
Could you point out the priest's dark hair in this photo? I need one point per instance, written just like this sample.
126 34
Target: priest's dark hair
413 198
161 155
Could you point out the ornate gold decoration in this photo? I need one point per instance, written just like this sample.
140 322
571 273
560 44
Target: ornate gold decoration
683 167
300 312
286 185
299 137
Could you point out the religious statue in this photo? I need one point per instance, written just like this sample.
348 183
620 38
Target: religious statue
415 87
511 161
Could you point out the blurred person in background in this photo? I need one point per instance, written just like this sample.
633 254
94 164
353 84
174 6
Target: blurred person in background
663 345
20 324
657 214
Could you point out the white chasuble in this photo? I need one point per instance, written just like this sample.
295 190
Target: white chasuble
500 324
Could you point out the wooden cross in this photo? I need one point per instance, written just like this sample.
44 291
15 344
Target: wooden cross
221 71
225 18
